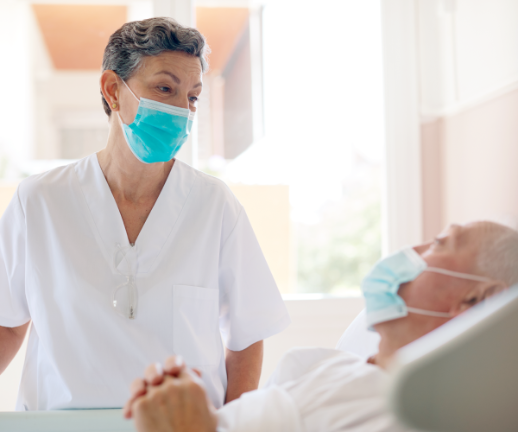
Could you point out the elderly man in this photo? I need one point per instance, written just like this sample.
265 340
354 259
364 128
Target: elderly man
407 295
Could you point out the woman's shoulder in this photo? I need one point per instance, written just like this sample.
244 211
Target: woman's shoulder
213 188
57 179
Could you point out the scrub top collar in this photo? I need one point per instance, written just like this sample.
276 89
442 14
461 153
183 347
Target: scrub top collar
105 218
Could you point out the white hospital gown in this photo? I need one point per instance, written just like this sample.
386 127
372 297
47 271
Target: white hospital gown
315 390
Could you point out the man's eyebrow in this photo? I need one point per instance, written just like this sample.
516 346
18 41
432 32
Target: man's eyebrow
176 79
459 235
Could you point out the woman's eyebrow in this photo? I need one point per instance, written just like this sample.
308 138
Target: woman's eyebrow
172 75
176 79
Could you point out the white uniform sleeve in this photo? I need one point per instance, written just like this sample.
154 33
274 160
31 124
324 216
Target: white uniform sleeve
13 303
270 409
251 307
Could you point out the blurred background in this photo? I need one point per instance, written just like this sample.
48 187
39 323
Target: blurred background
291 116
347 128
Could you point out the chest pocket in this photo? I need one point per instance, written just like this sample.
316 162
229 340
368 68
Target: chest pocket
196 334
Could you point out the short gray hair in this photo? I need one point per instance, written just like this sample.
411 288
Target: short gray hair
498 256
150 37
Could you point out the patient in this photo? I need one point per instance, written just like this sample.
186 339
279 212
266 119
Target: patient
407 295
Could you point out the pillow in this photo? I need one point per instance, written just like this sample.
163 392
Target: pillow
358 340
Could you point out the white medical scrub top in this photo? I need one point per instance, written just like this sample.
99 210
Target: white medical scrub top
201 277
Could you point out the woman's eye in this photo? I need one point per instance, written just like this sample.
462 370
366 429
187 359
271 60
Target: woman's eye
193 99
164 89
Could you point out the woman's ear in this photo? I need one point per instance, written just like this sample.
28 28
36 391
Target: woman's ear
482 291
110 89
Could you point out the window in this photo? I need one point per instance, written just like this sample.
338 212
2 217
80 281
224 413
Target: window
292 118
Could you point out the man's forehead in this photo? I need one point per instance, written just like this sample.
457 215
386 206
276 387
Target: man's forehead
470 234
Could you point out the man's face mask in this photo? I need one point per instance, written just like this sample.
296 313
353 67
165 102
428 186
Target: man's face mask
380 287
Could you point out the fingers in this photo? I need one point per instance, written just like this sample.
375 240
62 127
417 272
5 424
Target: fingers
126 410
174 365
178 404
138 388
154 374
194 375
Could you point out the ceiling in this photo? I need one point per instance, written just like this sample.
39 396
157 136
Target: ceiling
76 35
222 27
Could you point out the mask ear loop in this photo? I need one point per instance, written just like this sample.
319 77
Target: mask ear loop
458 275
138 100
133 94
447 273
429 313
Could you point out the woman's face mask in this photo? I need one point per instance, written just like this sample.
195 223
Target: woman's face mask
158 131
380 287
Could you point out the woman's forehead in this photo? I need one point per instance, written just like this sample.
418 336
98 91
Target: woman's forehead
174 67
174 61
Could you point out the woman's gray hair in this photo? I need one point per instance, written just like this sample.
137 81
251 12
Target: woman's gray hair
498 256
151 37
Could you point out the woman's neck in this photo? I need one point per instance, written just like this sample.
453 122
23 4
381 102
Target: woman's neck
129 179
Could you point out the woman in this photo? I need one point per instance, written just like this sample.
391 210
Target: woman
129 255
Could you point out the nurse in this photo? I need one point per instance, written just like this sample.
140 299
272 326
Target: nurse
129 255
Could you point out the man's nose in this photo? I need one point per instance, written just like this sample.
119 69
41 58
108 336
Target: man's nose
420 249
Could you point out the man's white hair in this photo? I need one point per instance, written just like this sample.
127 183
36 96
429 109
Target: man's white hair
498 256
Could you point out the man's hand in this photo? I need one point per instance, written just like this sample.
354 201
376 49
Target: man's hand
172 400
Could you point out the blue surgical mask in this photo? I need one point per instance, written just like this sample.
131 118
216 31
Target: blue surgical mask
380 287
158 131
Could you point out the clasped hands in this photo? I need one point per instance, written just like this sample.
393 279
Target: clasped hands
170 398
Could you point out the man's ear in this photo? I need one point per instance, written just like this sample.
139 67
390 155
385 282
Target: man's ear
482 291
110 88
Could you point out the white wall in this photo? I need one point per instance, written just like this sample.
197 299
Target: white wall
16 83
467 52
468 80
486 46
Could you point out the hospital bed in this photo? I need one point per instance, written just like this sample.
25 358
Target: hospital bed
105 420
461 377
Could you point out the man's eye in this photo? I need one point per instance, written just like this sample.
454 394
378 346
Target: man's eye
438 241
193 99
